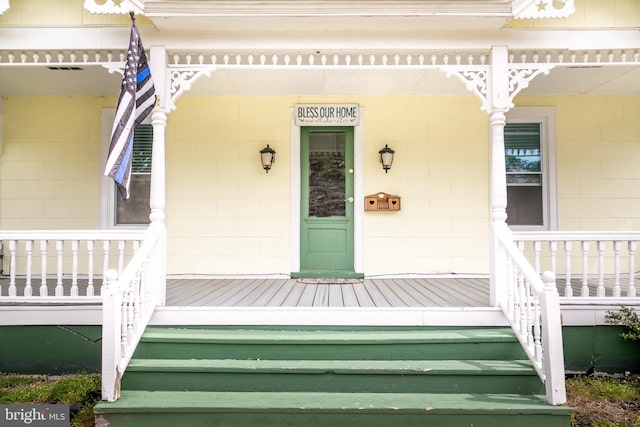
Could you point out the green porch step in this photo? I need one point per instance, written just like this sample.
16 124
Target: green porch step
330 376
409 376
356 344
166 408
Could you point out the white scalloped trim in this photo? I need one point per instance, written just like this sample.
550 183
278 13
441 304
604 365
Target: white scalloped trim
540 9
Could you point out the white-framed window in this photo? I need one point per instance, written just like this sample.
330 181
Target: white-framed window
115 212
530 157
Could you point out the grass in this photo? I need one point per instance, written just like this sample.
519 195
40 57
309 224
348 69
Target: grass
597 401
81 392
604 401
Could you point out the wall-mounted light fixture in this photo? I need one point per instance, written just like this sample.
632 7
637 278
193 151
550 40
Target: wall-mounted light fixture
267 157
386 158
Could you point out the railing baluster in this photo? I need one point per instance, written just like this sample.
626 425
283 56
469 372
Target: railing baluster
136 295
59 252
529 328
585 269
28 289
90 289
516 302
121 247
631 292
74 268
125 320
13 290
553 248
616 268
601 249
105 262
130 313
523 304
511 278
536 330
44 291
568 290
537 248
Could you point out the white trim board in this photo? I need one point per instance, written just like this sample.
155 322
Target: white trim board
293 316
572 315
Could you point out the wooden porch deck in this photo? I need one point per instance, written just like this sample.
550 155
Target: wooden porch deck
452 300
429 292
388 292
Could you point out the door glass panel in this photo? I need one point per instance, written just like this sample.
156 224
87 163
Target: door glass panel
326 174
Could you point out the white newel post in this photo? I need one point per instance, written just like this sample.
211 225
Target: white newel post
552 341
111 337
158 197
498 97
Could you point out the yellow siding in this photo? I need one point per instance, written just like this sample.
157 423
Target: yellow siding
591 14
226 216
49 177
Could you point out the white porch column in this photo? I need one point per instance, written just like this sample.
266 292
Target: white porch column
158 196
499 100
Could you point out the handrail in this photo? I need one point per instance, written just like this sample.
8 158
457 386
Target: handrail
576 235
532 307
128 304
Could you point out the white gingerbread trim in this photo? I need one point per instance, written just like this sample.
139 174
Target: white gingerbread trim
182 80
475 78
542 9
4 6
115 6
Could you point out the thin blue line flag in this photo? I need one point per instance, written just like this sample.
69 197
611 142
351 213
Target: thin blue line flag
137 99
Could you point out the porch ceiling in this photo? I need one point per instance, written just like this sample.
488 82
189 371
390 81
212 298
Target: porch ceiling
94 80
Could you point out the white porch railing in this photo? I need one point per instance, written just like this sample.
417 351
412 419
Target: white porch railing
129 300
599 265
532 306
62 266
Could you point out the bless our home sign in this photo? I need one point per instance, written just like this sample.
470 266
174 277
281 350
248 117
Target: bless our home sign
327 114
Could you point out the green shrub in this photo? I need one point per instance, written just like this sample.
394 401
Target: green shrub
628 318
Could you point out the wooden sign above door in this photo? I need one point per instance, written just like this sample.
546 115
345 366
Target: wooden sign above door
327 114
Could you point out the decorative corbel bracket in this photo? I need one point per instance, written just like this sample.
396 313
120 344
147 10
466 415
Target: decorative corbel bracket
114 67
521 75
114 6
182 80
541 9
476 79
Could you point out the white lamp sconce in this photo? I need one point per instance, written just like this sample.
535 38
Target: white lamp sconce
386 158
267 157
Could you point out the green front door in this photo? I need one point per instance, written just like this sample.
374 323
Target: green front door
326 223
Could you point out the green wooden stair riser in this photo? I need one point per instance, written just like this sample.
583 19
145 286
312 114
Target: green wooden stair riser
417 351
336 420
195 381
